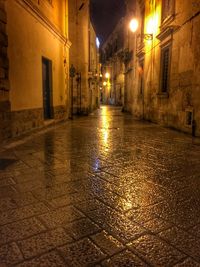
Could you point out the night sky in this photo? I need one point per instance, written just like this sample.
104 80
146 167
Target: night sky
105 14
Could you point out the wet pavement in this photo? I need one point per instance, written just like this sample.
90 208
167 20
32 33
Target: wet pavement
103 190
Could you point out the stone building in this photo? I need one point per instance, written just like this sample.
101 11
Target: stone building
39 40
165 86
84 58
113 66
34 64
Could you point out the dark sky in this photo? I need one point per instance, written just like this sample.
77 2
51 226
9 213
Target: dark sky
105 14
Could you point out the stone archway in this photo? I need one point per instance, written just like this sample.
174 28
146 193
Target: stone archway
5 114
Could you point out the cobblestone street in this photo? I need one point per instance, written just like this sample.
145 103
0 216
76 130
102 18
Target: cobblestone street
102 190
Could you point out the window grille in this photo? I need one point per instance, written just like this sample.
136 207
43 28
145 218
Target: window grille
165 67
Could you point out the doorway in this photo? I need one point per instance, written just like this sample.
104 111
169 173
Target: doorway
47 88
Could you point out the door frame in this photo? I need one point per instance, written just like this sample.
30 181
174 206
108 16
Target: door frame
47 102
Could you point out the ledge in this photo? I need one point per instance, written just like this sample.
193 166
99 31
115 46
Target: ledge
167 21
163 95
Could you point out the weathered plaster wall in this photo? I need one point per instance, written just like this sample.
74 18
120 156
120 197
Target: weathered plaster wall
79 52
32 36
5 118
94 70
184 86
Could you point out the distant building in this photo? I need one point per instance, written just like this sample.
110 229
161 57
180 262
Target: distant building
84 56
113 66
164 76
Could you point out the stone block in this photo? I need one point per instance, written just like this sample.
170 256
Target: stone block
3 39
3 17
4 106
4 85
4 62
3 51
2 27
2 73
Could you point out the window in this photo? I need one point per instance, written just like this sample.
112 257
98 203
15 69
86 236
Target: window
189 116
165 69
141 78
167 9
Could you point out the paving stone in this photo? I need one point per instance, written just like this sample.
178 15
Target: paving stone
82 228
7 204
53 191
195 230
141 215
188 263
155 251
7 191
124 259
107 243
142 179
10 254
22 213
6 182
82 253
20 230
60 217
24 199
184 241
116 224
157 225
61 201
44 242
52 259
89 205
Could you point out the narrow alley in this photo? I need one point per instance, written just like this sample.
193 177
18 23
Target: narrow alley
102 190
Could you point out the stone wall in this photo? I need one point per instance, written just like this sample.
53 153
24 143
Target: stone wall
5 118
60 113
179 105
25 121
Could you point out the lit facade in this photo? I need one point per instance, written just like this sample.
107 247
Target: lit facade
164 81
112 63
84 57
34 83
39 42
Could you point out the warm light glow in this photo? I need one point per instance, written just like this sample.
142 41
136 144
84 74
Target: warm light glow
100 75
107 75
105 127
104 83
152 25
134 25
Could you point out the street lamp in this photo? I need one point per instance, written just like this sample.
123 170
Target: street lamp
107 75
133 26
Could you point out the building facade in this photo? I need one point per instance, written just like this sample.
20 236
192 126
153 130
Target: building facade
5 107
39 40
84 58
113 66
165 85
34 65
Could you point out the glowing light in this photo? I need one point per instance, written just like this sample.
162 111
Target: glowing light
133 25
101 75
107 75
151 26
105 126
104 83
97 42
